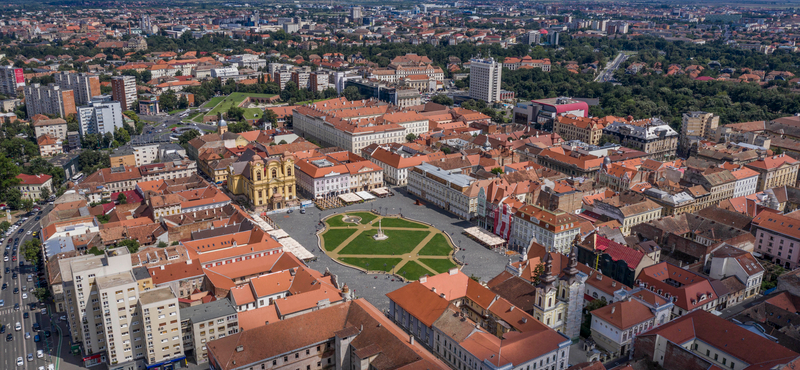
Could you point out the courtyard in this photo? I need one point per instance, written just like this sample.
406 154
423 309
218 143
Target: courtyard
410 250
478 260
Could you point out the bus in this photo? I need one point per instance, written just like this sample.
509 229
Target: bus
78 177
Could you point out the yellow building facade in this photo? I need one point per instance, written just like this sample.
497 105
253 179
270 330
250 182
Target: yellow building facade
267 183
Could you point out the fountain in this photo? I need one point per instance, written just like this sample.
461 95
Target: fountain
380 235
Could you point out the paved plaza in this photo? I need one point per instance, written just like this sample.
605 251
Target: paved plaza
480 262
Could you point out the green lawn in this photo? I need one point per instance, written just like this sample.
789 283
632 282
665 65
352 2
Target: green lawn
366 217
437 246
399 222
399 242
412 271
176 111
213 102
375 264
440 265
193 115
332 238
175 125
222 105
336 221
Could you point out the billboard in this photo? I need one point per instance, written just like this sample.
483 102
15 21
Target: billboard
19 77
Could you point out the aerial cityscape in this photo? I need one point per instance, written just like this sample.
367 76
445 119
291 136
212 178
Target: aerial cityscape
466 185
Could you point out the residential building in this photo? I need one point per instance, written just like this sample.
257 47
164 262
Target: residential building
777 238
396 166
703 340
100 117
484 79
746 181
109 315
542 113
696 126
49 146
469 326
730 263
554 229
56 128
145 154
337 173
652 136
266 182
570 162
615 326
775 171
354 125
204 323
123 156
123 90
691 291
514 63
182 277
629 208
447 188
84 86
351 335
105 181
49 99
11 80
177 169
584 129
31 186
718 182
617 261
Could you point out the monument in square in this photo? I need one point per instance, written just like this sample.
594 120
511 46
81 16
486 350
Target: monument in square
380 235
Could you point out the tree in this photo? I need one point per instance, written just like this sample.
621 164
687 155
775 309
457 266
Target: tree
271 117
282 142
183 102
411 137
27 205
95 251
131 244
92 160
8 175
13 198
45 192
162 244
351 93
32 250
497 170
187 136
168 100
122 199
241 126
442 99
235 114
41 293
4 226
446 150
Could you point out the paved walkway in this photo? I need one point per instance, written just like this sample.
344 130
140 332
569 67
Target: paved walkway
480 261
413 255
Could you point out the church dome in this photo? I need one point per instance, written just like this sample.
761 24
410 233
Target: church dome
222 122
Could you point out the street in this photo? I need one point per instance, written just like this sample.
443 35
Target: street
607 74
19 346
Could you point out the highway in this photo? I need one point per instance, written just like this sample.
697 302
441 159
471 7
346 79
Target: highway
607 74
19 346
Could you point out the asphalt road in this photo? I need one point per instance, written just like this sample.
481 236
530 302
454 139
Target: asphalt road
19 346
608 73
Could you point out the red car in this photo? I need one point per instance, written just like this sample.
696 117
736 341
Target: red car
14 259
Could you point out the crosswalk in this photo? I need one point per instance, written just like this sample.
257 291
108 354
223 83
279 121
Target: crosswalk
6 310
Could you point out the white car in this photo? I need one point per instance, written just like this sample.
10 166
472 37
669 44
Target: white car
39 354
18 327
19 361
24 295
29 232
5 259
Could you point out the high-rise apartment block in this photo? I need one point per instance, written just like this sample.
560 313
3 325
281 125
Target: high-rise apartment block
50 99
484 79
100 116
11 79
114 322
696 126
123 90
84 86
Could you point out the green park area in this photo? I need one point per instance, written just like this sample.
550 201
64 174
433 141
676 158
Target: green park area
410 250
223 104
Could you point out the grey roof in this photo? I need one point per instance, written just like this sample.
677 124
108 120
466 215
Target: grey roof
156 295
140 273
123 150
208 311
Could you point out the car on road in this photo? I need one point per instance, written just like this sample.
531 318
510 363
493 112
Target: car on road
26 315
36 326
16 306
30 357
16 290
5 286
27 335
14 276
47 333
2 302
39 354
19 361
29 232
2 329
9 338
24 295
302 211
36 338
5 259
18 327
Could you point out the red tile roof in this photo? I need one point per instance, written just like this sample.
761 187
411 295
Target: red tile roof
33 179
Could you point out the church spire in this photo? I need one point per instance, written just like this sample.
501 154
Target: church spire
547 278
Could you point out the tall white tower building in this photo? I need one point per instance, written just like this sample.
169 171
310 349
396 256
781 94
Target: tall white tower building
484 79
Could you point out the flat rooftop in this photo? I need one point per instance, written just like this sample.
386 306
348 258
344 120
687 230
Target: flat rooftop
111 281
156 295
